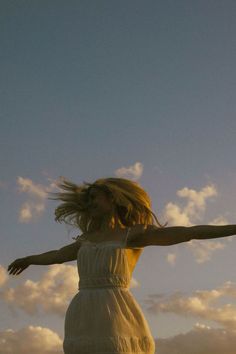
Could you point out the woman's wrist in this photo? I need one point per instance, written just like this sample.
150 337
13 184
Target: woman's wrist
28 259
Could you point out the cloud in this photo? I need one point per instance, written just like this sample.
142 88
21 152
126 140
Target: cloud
203 249
220 220
200 340
3 275
32 339
37 197
171 258
196 205
193 210
199 304
134 283
51 294
133 172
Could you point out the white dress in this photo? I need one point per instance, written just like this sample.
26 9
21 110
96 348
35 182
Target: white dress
104 317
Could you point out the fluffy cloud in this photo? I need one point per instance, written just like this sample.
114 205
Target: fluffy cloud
199 304
185 216
37 196
32 339
51 293
3 276
194 208
200 340
203 249
133 172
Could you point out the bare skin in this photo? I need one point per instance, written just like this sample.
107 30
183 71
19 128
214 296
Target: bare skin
103 210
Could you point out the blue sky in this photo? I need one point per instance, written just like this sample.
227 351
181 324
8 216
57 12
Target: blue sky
141 90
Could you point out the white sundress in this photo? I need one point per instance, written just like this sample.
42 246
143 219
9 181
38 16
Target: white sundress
104 317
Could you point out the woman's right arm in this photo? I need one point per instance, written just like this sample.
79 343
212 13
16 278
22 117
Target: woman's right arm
64 254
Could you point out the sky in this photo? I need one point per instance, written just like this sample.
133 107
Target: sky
132 89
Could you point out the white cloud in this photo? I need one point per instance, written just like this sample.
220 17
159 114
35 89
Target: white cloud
3 275
133 172
193 210
200 340
175 216
197 199
171 258
201 326
201 304
37 196
32 339
203 249
134 283
196 205
33 189
220 220
51 293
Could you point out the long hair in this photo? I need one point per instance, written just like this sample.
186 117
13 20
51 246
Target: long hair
132 203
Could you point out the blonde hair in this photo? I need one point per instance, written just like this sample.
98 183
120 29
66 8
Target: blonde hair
131 201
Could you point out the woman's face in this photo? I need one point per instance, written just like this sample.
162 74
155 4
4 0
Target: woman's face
99 202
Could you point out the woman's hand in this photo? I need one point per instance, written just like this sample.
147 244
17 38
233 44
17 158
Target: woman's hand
18 265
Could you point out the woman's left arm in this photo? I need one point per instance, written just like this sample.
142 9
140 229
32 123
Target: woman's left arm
201 232
156 236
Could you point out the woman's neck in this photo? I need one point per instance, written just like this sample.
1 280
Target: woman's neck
107 224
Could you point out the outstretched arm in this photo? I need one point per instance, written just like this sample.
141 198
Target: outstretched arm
64 254
173 235
20 264
201 232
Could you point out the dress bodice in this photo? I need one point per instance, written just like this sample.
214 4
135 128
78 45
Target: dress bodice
106 264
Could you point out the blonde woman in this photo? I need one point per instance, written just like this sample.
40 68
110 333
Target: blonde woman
115 217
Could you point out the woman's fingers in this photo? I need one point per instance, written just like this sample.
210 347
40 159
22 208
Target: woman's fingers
17 266
16 271
13 270
19 271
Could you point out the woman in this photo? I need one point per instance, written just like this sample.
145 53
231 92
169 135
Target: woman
115 217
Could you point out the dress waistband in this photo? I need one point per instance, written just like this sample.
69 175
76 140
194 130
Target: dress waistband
110 281
103 287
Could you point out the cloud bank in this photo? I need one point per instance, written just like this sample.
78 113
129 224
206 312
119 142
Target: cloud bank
201 304
200 340
32 339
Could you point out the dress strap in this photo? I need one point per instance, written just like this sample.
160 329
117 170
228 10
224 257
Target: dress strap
126 236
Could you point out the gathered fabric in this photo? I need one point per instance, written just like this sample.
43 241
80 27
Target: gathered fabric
104 317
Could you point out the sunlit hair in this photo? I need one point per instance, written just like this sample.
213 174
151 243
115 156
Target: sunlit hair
131 202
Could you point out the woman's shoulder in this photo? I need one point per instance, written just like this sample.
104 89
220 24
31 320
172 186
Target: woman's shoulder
138 235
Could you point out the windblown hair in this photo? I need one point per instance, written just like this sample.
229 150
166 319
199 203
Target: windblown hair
132 203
